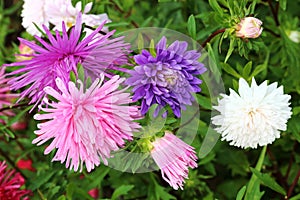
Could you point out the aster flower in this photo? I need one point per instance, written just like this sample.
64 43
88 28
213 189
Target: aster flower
10 184
249 27
5 95
169 78
33 13
173 157
60 56
63 10
86 125
253 117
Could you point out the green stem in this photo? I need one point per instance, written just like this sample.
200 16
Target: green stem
253 181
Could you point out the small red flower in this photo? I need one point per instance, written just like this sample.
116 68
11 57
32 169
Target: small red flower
25 164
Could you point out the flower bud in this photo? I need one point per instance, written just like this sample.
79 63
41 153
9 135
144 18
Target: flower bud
25 52
249 27
294 36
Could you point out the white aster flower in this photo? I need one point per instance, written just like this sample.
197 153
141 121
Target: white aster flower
253 117
63 10
33 12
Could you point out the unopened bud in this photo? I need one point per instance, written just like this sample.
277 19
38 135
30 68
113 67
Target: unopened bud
249 27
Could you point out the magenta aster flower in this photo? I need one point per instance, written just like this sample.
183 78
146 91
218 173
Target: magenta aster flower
86 125
10 184
173 157
60 54
169 78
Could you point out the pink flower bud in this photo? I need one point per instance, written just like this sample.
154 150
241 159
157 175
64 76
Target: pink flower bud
19 126
94 193
25 52
249 27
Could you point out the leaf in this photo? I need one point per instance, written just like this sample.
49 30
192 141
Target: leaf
16 118
259 68
214 62
80 72
140 42
124 189
152 49
230 50
282 4
268 181
297 197
191 26
41 179
253 186
73 77
241 193
215 6
161 193
70 191
227 68
247 70
204 101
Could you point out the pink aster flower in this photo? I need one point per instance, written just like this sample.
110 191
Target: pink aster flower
5 95
10 184
87 124
59 54
173 157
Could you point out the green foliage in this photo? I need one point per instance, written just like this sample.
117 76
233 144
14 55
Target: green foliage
224 172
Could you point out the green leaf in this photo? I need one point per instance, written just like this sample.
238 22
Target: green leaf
253 186
140 42
215 6
80 72
88 82
203 101
191 26
230 50
62 197
124 189
268 181
241 193
41 179
282 4
73 77
297 197
259 68
16 118
227 68
70 190
214 62
152 49
247 70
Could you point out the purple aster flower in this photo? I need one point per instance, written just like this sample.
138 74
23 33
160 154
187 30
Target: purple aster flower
59 54
169 78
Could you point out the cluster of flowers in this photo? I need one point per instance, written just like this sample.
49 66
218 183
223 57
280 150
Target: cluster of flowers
86 122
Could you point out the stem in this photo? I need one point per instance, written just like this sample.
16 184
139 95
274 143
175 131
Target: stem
123 12
14 106
293 185
212 36
290 161
187 122
272 32
2 153
274 12
276 172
